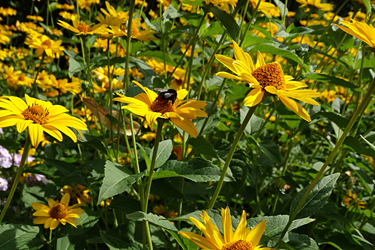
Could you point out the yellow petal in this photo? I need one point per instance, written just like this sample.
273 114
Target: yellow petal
240 233
198 240
254 97
22 125
227 61
65 199
227 225
35 134
186 125
295 107
54 224
256 233
40 220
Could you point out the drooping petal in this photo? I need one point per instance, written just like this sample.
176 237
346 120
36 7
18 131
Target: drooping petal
254 97
35 134
22 125
295 107
54 224
186 125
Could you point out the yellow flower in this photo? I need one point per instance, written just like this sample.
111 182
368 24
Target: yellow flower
222 4
316 4
57 212
42 43
361 30
264 7
242 239
351 199
151 106
269 78
35 18
38 116
7 11
143 35
112 17
81 28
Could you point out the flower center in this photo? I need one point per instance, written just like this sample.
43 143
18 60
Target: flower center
58 211
83 27
238 245
162 107
46 44
270 74
36 113
134 31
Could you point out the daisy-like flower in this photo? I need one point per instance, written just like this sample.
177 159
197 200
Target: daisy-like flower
42 43
264 7
152 106
242 239
315 4
80 28
269 78
38 116
361 30
57 212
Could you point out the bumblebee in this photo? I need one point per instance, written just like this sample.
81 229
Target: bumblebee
167 95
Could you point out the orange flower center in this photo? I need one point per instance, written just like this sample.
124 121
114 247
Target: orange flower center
134 31
58 211
36 113
46 44
83 27
162 107
270 74
238 245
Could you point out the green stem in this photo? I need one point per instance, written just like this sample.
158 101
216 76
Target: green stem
128 44
250 22
17 178
366 99
160 122
229 157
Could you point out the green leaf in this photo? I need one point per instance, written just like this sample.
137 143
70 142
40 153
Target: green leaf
145 156
302 242
171 13
164 151
197 170
202 146
271 150
76 63
70 243
227 21
368 5
335 118
251 40
193 2
114 242
280 51
276 224
356 146
334 80
317 197
143 67
157 55
117 180
14 236
184 243
152 218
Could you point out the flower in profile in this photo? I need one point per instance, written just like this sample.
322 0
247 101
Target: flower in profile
153 106
315 4
242 239
361 30
57 212
42 43
38 116
268 78
222 4
80 28
351 200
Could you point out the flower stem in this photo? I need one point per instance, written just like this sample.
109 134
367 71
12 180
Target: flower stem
17 178
230 155
366 99
149 180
